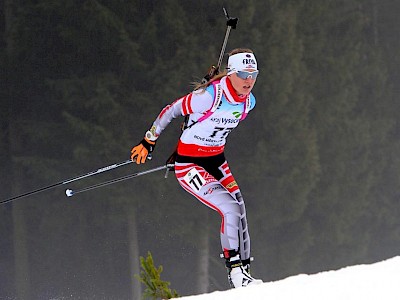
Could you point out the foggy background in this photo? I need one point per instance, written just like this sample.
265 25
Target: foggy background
317 160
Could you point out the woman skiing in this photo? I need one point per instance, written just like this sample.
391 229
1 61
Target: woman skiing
212 111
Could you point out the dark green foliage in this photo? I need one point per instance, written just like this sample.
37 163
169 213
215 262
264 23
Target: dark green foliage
150 276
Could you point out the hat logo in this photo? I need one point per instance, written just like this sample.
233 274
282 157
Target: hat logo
248 61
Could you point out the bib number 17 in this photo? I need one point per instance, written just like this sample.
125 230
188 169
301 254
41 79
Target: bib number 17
194 179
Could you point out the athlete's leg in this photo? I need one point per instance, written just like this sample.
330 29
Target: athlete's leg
198 182
228 181
244 237
238 263
229 204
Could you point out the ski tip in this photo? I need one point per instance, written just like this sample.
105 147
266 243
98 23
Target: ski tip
69 192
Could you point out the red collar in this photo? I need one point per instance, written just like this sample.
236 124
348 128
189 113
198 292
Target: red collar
233 92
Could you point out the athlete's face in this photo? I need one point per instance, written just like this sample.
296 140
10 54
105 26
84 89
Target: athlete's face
243 84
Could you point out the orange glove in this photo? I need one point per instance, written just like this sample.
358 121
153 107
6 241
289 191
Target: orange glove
143 149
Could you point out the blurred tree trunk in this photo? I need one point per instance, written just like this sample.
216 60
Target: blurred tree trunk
21 262
5 112
14 178
136 291
374 22
203 282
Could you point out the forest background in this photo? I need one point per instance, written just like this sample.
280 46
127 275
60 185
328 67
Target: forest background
317 160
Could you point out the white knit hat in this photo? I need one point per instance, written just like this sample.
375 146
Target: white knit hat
241 61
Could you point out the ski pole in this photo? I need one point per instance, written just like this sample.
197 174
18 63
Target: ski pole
231 24
70 192
98 171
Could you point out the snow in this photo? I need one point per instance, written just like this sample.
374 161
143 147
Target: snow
374 281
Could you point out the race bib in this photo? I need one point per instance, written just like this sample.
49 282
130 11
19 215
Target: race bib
194 179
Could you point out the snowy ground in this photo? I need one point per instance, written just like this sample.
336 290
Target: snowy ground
379 281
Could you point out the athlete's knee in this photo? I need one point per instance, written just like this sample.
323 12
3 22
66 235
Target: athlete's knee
232 216
233 207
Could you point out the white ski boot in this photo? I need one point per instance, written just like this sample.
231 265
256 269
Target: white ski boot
237 275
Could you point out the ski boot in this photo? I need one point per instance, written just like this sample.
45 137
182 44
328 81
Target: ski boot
237 274
246 264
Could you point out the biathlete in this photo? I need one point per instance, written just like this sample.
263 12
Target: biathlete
212 111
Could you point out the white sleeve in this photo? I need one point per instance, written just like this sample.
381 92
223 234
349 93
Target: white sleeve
195 102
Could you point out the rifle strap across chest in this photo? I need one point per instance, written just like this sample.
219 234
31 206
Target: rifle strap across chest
218 93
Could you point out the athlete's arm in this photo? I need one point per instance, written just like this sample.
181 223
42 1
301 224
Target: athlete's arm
195 102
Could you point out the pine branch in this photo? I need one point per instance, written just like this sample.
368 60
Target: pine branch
150 276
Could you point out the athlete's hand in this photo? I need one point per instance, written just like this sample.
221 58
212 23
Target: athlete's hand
141 152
